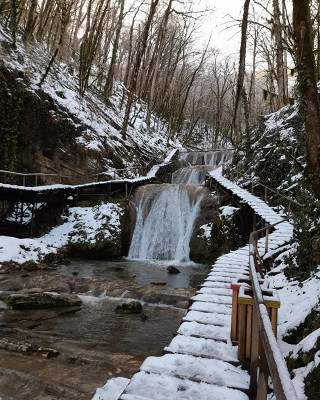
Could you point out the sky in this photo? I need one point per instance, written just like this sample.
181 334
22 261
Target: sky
225 31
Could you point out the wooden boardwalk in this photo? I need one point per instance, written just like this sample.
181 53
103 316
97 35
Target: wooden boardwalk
201 362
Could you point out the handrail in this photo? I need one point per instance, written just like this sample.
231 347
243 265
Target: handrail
41 174
278 370
277 193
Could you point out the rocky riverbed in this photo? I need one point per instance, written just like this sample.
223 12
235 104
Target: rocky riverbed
65 338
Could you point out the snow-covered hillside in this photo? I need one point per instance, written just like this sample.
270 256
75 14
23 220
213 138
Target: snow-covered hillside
95 125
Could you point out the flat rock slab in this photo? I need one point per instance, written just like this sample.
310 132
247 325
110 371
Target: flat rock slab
42 300
145 386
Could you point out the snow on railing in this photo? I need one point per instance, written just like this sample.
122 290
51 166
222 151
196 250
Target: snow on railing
271 359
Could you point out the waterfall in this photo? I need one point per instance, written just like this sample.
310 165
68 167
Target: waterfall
165 217
191 175
213 158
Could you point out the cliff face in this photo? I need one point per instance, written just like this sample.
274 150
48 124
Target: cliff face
52 129
38 135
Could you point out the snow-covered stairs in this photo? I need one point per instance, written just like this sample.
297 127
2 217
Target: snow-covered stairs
201 362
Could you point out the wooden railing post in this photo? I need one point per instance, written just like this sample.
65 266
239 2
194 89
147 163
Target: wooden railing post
262 389
267 241
255 342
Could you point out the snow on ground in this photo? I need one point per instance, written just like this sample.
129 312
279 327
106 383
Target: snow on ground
111 390
99 123
228 211
85 223
22 250
297 300
80 224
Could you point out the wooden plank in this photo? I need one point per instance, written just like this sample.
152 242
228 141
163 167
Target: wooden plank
242 332
234 316
248 331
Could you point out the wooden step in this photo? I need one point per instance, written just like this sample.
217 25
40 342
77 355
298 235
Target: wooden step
148 386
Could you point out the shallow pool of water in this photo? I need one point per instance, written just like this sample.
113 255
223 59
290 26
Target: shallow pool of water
142 272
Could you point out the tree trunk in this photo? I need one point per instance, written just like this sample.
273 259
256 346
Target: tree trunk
13 22
109 83
30 21
279 53
242 66
162 37
308 89
139 56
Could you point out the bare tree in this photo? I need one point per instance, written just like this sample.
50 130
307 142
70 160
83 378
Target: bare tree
241 73
110 77
142 45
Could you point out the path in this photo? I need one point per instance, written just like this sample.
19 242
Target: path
201 362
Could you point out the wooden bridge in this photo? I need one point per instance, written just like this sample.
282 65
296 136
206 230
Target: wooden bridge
229 329
17 200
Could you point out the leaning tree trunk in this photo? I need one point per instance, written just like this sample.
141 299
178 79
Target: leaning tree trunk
308 88
242 66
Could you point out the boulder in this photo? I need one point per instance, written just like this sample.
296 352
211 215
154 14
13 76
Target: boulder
134 307
173 270
42 300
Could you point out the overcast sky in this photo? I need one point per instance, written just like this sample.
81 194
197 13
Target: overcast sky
225 32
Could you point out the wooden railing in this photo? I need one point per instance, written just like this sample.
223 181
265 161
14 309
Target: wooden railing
267 190
80 177
266 359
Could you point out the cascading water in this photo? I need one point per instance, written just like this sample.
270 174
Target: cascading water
165 220
166 214
195 174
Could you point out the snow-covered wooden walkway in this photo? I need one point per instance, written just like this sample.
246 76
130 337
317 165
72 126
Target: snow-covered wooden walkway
201 362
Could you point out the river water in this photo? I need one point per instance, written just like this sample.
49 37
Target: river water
94 342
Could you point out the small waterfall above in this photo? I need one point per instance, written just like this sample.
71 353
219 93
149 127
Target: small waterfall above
191 175
165 217
213 158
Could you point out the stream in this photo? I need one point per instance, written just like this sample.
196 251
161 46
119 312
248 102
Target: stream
94 342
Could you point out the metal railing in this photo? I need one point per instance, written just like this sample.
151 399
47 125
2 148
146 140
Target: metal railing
270 360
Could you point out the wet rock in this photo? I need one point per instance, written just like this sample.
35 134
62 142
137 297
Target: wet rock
54 258
143 317
27 348
46 352
16 347
173 270
8 267
42 300
30 265
169 299
134 307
